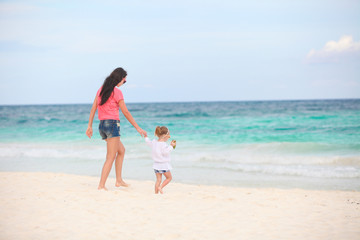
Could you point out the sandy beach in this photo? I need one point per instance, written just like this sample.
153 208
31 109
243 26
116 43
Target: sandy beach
63 206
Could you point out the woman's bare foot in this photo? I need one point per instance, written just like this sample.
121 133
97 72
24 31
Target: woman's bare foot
121 184
160 190
102 188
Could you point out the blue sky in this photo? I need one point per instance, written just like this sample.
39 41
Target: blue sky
55 52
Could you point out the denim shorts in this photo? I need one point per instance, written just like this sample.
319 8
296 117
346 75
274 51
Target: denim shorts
109 128
161 171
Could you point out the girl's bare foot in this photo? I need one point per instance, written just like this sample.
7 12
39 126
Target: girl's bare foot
121 184
102 188
160 190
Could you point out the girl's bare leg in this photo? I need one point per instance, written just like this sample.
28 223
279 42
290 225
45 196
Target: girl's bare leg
158 182
166 181
112 147
118 165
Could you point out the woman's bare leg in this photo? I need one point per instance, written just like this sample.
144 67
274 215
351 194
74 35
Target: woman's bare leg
166 181
158 182
112 145
118 166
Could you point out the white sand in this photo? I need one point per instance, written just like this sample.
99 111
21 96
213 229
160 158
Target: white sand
61 206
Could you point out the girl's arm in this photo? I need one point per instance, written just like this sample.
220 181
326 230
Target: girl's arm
89 131
148 141
130 118
167 149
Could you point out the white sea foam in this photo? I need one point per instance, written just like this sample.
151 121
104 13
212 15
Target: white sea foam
248 159
50 151
300 170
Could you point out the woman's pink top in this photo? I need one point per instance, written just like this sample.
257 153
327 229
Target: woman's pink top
109 110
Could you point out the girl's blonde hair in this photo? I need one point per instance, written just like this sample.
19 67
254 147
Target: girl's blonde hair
159 131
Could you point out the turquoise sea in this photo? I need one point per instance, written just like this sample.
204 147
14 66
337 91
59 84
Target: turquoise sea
312 144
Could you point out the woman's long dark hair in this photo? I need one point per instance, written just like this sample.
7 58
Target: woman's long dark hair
110 82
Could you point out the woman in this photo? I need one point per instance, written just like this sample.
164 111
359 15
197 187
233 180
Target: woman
108 100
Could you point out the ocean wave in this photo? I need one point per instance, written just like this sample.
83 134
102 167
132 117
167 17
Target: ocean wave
297 148
185 115
275 153
50 151
271 159
247 160
299 170
316 167
22 121
68 151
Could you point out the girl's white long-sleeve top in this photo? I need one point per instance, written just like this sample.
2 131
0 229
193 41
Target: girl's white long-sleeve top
160 154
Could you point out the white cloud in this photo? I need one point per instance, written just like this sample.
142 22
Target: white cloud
334 51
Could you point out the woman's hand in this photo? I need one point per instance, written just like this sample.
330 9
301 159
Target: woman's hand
89 132
142 132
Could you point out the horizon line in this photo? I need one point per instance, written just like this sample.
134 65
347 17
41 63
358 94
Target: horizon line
196 101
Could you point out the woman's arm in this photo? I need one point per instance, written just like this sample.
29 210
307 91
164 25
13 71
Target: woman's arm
89 131
130 118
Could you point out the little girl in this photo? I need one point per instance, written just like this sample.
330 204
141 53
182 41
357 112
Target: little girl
161 156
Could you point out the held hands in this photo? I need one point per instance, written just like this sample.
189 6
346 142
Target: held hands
142 132
89 132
